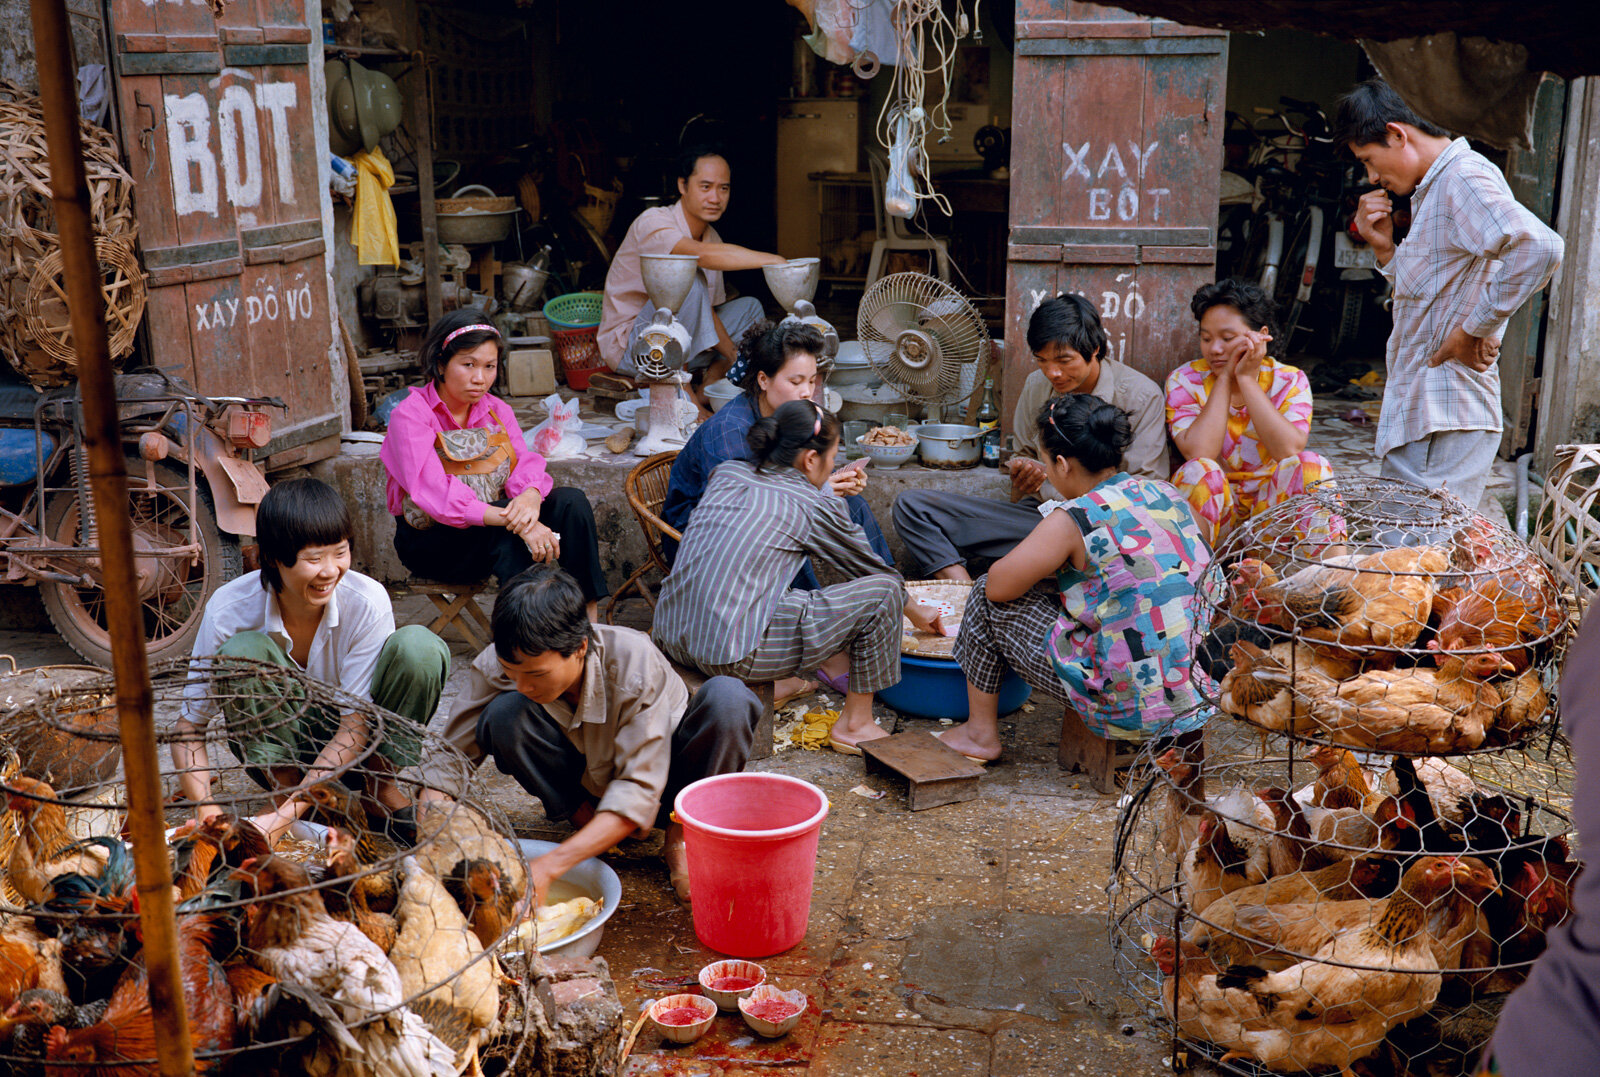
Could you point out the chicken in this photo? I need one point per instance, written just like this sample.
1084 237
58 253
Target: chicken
1458 919
448 833
353 884
1336 1008
1345 880
1354 605
1539 895
292 937
1216 864
1405 710
478 889
1348 832
1276 705
29 1019
1445 784
341 807
1498 611
126 1031
1185 800
1523 704
436 947
28 959
1292 847
45 847
97 945
1340 781
1189 991
253 997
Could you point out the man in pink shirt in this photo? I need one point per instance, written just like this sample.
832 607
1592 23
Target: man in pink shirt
714 323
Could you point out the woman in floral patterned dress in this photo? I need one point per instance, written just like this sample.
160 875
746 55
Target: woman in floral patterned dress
1094 607
1240 417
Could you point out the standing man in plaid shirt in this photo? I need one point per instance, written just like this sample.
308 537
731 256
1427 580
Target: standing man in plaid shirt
1473 256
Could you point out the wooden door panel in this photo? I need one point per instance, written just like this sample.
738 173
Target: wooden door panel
221 139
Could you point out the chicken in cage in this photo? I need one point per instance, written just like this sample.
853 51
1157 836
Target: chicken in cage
1429 629
342 946
1296 915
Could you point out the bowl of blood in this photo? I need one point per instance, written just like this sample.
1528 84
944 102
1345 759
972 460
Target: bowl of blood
726 982
771 1012
682 1018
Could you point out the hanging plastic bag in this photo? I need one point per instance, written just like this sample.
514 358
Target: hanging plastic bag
372 225
561 435
898 198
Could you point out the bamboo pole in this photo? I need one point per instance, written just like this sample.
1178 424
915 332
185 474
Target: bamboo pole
69 189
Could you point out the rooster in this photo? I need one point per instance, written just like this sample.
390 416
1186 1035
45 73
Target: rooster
1354 606
293 938
45 847
125 1033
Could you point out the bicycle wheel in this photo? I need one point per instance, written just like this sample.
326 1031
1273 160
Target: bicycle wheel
1347 324
1292 288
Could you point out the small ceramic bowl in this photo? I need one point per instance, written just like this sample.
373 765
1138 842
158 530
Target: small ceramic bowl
772 1029
718 970
887 457
683 1033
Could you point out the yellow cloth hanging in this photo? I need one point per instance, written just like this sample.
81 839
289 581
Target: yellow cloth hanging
372 226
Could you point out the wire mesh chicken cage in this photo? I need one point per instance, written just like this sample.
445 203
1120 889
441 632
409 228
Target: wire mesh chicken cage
366 939
1365 861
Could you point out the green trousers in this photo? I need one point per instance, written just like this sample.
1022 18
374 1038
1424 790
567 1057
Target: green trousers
271 723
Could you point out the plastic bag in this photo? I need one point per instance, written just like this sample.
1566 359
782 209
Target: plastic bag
560 435
372 225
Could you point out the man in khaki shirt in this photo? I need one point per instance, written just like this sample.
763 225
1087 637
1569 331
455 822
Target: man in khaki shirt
591 719
942 530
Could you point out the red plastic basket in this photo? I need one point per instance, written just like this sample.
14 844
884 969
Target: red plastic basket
579 350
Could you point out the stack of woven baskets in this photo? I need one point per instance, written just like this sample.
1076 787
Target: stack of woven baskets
34 331
574 329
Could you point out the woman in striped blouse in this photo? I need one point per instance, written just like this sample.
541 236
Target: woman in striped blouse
728 608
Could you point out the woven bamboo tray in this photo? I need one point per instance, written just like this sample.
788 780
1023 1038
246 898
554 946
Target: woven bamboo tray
943 593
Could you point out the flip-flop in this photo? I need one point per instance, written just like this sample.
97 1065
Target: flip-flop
838 684
804 690
842 747
978 759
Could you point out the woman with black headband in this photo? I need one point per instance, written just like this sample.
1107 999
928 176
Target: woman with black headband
469 498
1093 608
728 606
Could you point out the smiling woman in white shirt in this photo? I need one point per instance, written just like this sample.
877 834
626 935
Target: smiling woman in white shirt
304 609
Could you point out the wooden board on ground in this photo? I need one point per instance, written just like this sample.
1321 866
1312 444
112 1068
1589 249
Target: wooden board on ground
935 774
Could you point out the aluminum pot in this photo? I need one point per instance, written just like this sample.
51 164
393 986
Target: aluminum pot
949 445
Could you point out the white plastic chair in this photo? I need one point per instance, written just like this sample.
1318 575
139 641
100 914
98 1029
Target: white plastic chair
893 233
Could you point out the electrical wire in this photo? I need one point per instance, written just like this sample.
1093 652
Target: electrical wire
923 32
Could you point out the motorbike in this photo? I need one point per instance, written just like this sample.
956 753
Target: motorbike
192 494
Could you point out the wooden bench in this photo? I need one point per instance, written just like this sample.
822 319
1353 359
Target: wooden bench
1096 757
458 608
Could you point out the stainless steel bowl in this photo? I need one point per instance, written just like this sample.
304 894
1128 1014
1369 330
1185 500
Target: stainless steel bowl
949 445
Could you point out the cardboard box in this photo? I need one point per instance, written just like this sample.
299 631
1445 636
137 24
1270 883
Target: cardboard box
531 372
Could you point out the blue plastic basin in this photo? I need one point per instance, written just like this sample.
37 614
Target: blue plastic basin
936 688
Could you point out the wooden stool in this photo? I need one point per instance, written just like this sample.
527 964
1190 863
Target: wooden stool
761 746
1097 757
458 608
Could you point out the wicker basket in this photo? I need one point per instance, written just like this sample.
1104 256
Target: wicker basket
598 205
950 593
579 350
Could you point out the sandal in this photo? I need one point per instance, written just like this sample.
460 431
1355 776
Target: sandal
837 684
805 689
843 747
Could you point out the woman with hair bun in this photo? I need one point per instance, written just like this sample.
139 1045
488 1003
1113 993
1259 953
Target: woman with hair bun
729 608
1094 607
777 363
1240 417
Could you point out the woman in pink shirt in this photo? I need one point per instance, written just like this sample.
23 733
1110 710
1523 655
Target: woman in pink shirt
468 539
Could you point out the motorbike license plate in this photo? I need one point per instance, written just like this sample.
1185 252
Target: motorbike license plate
1346 255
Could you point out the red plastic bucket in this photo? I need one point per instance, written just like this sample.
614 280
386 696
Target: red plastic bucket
751 843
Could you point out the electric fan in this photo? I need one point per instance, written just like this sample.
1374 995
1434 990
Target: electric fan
922 336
